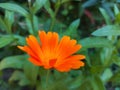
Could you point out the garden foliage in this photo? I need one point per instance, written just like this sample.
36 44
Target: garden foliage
95 24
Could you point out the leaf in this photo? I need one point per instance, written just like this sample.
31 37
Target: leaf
118 1
48 8
9 16
31 72
115 79
109 30
5 40
107 74
9 19
14 8
105 15
92 83
72 29
38 4
20 77
116 59
117 20
94 42
89 3
29 25
77 82
64 1
35 23
106 7
2 24
116 10
20 39
12 62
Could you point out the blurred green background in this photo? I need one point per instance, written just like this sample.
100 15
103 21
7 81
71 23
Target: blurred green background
95 24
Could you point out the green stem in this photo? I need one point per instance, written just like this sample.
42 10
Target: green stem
47 77
57 6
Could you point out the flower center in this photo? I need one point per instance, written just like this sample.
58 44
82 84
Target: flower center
52 62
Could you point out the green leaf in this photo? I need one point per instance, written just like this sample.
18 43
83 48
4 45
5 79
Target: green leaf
12 62
116 10
72 29
89 3
9 16
77 82
109 30
9 19
2 24
64 1
5 40
117 18
14 8
48 8
29 25
35 23
105 15
92 83
38 4
94 42
32 24
20 77
116 59
115 79
31 71
107 74
20 39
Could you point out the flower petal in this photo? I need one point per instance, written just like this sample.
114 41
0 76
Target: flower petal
44 46
76 64
70 59
35 62
63 68
29 51
34 45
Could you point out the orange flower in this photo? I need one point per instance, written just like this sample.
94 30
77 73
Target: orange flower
52 53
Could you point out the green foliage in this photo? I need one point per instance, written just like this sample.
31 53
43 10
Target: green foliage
37 5
108 30
94 42
5 40
13 62
72 29
14 7
105 15
115 79
20 77
92 83
100 42
31 72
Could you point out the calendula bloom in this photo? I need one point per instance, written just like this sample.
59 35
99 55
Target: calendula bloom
51 52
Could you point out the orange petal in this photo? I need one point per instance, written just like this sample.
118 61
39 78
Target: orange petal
69 59
67 47
77 64
29 51
22 48
63 68
52 40
44 46
62 45
43 38
52 43
69 51
35 62
34 45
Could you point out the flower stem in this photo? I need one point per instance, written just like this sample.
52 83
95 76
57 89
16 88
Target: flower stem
47 77
57 6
